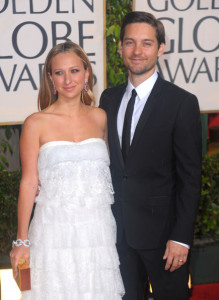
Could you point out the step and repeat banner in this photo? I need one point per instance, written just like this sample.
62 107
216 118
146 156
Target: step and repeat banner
191 59
28 30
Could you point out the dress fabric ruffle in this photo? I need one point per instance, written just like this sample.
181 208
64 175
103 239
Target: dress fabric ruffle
73 232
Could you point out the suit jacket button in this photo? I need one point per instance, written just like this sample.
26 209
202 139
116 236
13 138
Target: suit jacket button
125 177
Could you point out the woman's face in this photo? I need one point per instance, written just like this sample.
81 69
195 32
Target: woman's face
68 75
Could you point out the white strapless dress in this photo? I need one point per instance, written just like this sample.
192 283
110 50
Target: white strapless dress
73 232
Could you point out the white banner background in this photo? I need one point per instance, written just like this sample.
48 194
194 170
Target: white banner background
28 30
191 59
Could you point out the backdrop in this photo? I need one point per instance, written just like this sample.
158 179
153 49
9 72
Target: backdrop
191 59
28 30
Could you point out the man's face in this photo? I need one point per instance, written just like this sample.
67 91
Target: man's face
140 49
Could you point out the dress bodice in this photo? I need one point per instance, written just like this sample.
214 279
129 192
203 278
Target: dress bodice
73 169
53 153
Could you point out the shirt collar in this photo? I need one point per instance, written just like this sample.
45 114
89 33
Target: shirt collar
144 88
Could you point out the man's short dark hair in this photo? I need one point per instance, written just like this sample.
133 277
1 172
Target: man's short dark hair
144 17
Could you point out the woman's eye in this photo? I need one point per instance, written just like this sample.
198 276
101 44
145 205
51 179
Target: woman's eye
74 70
58 73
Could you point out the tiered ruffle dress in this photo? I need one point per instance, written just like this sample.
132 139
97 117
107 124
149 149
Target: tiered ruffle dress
73 232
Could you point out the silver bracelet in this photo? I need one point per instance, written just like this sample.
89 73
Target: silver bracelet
19 242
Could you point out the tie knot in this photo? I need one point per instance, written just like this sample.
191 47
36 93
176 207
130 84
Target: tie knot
134 93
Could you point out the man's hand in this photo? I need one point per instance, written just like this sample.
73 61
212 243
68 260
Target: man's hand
176 255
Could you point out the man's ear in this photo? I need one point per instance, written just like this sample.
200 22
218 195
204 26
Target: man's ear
120 48
161 49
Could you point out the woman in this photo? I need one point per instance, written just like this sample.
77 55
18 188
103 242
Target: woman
72 234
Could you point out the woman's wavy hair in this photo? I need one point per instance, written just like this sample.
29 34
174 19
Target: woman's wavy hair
45 96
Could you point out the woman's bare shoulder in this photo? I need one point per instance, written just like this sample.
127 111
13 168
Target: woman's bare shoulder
32 119
35 122
36 118
99 113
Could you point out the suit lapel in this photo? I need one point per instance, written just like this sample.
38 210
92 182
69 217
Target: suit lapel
113 123
151 102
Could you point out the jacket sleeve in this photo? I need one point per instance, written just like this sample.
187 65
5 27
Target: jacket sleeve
187 150
102 100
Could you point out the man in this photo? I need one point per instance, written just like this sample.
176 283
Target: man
156 174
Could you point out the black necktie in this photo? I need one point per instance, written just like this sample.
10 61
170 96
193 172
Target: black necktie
127 125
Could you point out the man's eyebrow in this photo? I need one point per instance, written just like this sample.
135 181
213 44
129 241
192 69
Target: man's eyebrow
129 38
148 40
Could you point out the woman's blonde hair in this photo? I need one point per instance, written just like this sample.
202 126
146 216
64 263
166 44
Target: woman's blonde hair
45 96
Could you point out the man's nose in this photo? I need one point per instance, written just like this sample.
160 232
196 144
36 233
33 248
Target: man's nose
137 49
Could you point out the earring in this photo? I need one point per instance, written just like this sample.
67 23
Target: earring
82 98
86 86
54 91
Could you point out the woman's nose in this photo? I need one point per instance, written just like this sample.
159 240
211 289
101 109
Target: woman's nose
67 78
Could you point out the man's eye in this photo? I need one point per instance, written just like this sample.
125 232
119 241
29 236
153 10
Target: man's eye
129 43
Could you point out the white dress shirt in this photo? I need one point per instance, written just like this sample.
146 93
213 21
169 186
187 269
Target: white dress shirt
143 91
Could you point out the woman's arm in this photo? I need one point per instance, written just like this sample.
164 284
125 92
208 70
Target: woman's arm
29 150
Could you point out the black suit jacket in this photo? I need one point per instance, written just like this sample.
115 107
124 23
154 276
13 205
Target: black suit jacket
157 191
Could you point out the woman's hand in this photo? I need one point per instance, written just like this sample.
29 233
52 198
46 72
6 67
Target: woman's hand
16 254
